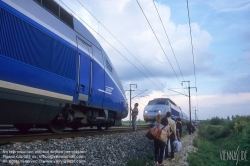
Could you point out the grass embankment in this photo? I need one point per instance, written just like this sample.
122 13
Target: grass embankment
143 161
222 143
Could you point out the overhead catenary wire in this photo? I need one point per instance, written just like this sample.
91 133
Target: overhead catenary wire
158 41
136 101
191 40
117 50
113 47
190 32
162 50
168 40
118 41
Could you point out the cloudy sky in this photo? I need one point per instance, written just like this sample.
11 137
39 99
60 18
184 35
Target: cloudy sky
159 60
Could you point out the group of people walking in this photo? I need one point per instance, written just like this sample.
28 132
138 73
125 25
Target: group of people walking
174 130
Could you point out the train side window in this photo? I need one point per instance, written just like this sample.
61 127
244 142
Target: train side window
51 6
66 17
97 54
109 66
57 10
39 1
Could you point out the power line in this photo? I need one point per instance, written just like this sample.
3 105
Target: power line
158 40
192 49
136 100
119 41
123 80
191 40
197 101
117 50
168 40
112 46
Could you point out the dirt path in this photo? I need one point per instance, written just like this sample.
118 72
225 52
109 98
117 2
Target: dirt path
181 157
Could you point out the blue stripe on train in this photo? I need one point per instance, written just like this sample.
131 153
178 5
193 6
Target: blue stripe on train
20 73
175 113
34 23
26 43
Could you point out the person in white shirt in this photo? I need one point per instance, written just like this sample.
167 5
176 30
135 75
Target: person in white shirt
172 137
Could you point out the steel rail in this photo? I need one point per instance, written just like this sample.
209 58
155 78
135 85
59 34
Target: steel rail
7 139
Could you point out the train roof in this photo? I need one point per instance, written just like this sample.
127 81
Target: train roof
63 15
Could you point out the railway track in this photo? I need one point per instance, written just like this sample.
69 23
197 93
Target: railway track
7 137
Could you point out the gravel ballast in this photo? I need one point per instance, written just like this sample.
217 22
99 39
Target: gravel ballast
115 149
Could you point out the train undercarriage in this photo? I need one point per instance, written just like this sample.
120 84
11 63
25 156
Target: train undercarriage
75 116
54 116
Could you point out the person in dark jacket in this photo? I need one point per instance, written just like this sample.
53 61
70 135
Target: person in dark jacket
178 128
134 114
159 145
192 128
189 127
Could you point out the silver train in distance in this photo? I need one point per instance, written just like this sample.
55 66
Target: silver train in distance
162 106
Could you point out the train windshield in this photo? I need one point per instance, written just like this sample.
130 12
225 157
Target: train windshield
157 102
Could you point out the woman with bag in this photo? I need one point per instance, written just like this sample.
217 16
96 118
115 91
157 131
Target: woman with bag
157 120
155 131
159 144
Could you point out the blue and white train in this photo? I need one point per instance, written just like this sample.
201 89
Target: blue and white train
162 106
53 72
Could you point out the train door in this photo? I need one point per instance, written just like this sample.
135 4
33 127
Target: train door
84 84
97 75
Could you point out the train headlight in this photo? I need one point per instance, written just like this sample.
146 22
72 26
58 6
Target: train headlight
146 111
159 111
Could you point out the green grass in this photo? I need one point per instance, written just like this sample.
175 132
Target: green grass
214 138
142 161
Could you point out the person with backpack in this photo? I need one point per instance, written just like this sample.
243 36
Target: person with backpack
134 114
171 138
159 144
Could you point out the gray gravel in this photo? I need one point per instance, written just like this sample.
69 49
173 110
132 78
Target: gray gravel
115 149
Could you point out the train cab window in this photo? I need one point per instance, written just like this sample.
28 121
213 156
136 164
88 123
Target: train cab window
155 102
109 66
161 102
151 103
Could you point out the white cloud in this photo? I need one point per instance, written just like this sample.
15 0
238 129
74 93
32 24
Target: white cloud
132 29
231 5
